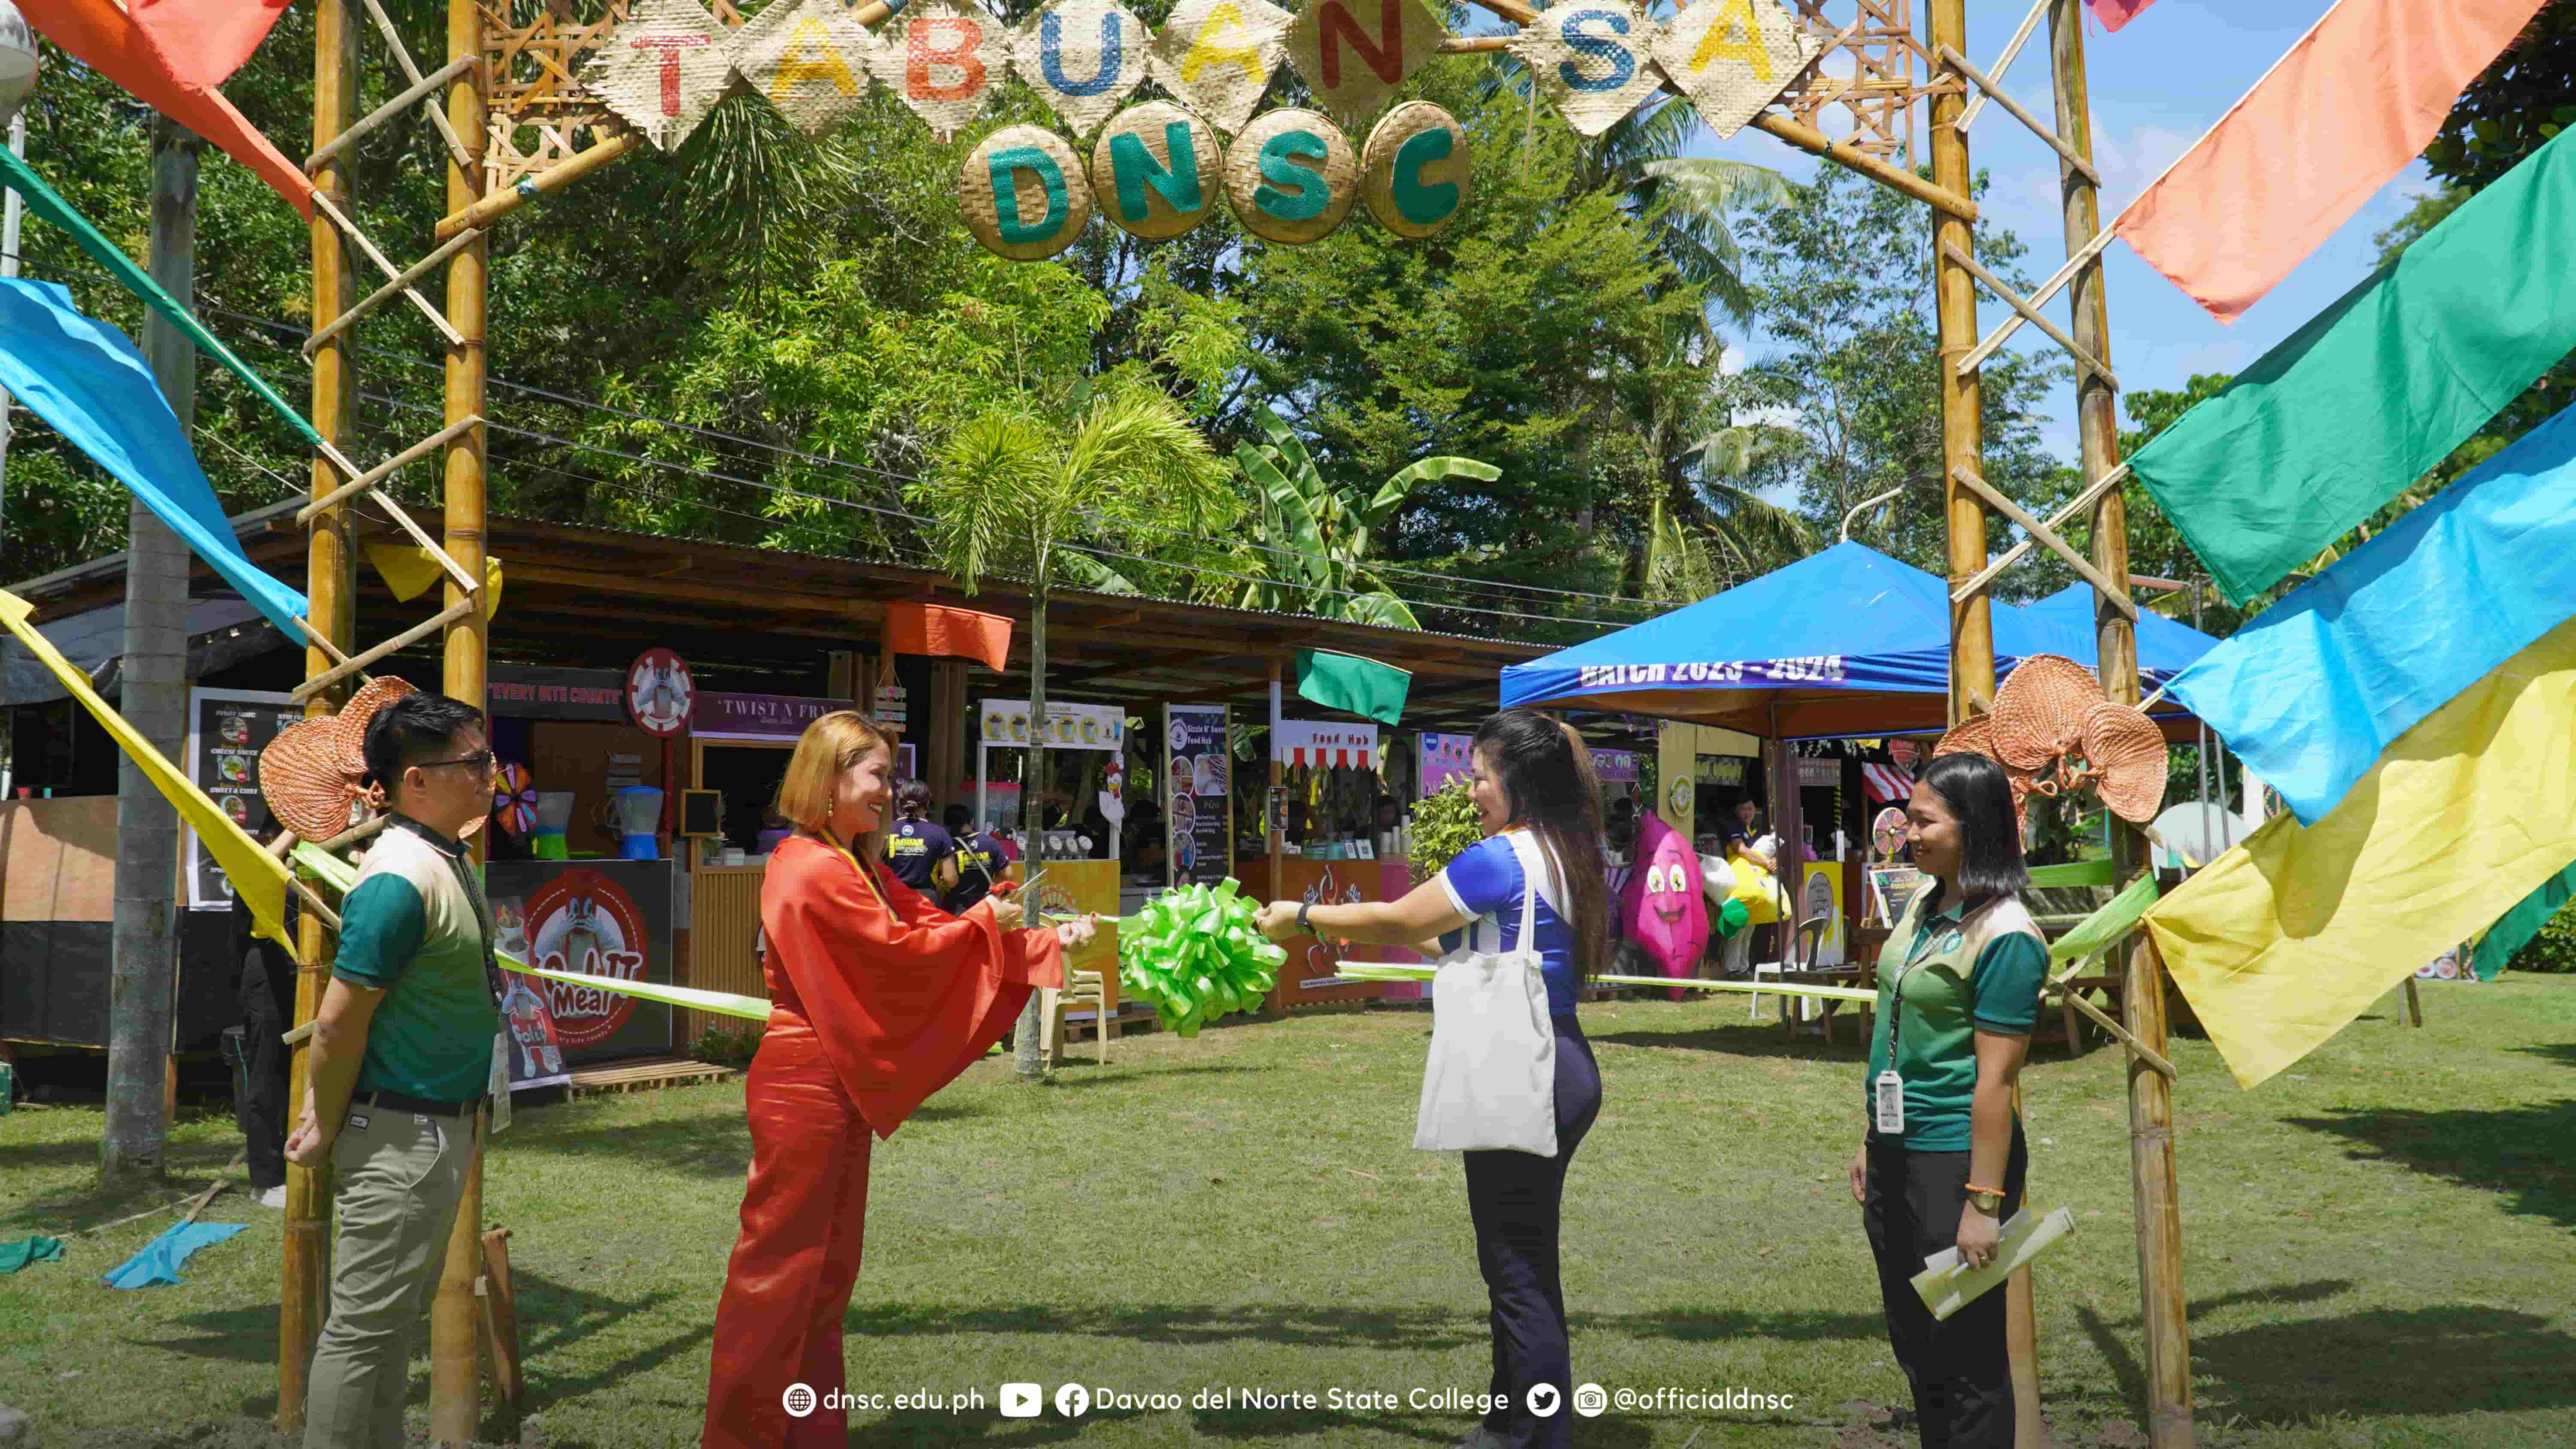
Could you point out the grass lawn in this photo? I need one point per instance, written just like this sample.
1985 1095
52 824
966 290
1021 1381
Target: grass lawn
2377 1246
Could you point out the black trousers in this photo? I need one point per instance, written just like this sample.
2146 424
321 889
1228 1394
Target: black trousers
259 1102
1961 1377
1517 1202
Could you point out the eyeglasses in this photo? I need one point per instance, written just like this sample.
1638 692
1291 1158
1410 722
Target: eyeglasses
481 760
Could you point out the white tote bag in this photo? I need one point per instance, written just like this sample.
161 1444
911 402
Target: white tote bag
1491 1078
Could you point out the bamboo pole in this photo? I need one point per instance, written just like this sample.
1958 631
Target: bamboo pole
420 86
1972 640
305 1262
486 210
455 1314
2151 1159
1972 637
381 295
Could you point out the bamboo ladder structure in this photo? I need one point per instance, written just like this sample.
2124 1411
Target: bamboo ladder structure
331 669
527 79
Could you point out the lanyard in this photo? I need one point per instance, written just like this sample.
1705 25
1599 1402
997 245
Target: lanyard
1913 952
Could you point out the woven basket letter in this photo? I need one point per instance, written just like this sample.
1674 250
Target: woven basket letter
1291 177
809 58
1023 192
1414 172
945 59
1217 56
1083 57
1733 57
1354 53
1157 171
662 70
1593 61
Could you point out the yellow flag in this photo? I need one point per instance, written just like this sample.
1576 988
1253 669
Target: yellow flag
409 570
2287 937
259 876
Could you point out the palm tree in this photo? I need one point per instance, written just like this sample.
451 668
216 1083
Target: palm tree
1316 537
1009 490
1683 200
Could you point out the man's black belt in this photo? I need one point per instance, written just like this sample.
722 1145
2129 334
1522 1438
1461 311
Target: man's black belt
397 1102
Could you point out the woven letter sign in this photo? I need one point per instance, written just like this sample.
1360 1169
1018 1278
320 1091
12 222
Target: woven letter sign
1082 57
809 58
1157 170
944 59
1414 173
1594 59
1732 57
1024 195
1291 177
1217 56
662 70
1354 53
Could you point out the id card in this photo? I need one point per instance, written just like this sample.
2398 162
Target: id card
499 1081
1888 1093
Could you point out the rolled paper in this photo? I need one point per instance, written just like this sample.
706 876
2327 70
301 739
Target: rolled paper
1194 954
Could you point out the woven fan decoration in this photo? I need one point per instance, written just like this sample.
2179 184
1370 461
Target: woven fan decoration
2053 733
313 775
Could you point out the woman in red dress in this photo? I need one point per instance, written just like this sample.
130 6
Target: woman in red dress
877 1000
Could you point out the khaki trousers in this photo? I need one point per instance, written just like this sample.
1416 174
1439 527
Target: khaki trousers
400 1175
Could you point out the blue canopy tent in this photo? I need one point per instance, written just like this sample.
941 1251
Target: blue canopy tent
2165 648
1844 642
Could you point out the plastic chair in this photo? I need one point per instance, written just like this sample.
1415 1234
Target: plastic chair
1082 988
1802 950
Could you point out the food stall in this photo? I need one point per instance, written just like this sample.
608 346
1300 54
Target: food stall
1329 773
1086 765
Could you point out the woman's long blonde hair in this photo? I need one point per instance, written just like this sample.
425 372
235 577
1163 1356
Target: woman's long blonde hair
826 751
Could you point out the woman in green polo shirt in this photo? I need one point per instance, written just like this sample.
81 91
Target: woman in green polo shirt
1943 1161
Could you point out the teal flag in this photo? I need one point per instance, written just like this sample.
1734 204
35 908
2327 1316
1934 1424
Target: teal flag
2515 928
1347 682
45 202
2379 387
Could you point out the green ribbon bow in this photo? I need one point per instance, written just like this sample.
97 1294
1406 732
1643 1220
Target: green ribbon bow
1193 953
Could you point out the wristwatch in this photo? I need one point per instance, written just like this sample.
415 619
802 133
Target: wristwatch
1303 925
1989 1203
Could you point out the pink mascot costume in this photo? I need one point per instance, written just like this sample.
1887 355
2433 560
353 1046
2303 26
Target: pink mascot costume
1661 907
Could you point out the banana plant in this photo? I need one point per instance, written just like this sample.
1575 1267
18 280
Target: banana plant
1316 537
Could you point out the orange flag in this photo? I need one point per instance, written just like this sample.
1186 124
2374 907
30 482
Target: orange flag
956 633
202 42
114 44
2337 118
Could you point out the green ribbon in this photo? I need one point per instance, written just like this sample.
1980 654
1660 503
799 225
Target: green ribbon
1194 953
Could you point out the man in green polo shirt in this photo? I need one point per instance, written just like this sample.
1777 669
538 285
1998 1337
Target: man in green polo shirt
403 1048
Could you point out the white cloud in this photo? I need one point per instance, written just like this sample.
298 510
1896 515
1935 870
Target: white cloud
1731 361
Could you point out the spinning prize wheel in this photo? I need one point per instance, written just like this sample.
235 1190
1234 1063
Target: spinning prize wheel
1887 832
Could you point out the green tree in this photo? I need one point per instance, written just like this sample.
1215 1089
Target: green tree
1315 538
1010 488
1843 296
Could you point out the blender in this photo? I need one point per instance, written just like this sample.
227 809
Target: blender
554 815
639 818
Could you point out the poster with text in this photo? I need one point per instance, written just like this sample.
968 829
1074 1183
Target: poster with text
1444 758
227 728
1198 773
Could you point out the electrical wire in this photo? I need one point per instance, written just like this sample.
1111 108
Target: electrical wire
593 405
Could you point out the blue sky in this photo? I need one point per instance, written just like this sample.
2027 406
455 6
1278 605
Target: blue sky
2157 86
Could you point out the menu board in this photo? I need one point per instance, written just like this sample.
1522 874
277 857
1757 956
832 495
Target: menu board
1198 764
227 728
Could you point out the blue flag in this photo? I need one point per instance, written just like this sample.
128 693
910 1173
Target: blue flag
87 381
2314 690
